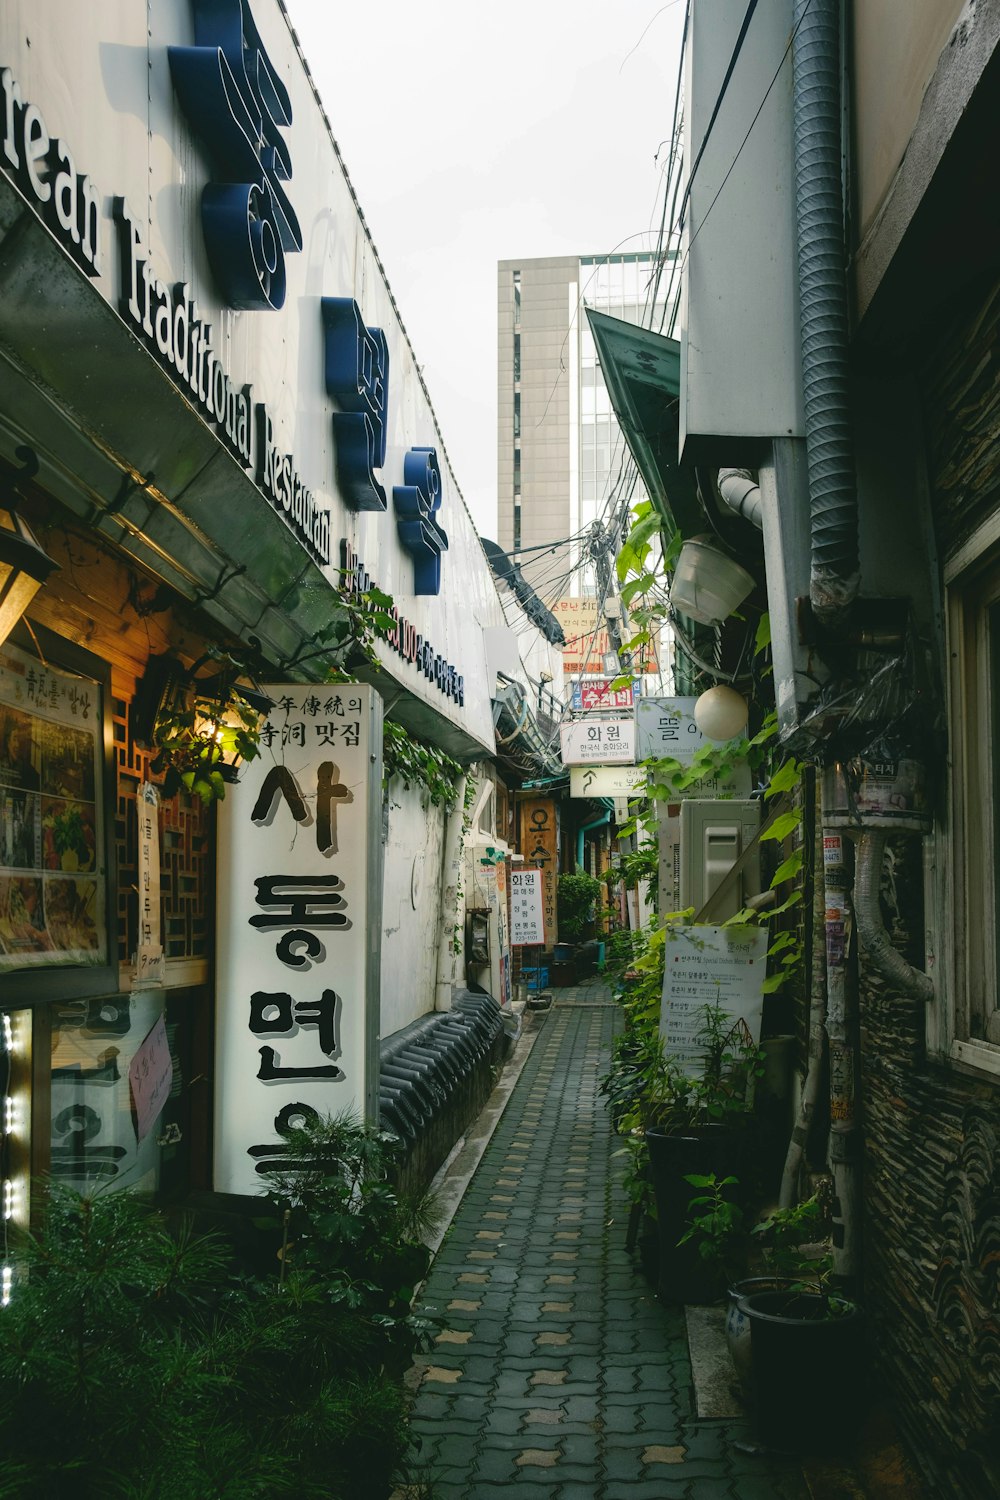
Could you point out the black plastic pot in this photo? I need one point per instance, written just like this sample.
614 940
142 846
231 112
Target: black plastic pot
808 1369
717 1150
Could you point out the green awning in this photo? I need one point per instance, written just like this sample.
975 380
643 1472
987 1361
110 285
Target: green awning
642 371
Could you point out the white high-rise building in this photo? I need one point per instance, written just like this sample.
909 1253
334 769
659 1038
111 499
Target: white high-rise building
562 463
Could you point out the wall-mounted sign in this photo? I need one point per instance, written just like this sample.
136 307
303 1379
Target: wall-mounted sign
299 924
598 742
666 726
598 693
607 781
149 949
404 639
711 966
585 630
237 106
527 926
45 168
539 843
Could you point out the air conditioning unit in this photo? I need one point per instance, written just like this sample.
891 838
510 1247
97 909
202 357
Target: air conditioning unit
713 835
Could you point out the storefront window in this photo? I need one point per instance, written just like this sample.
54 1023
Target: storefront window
55 850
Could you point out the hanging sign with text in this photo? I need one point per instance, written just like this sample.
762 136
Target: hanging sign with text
598 742
539 843
527 928
299 925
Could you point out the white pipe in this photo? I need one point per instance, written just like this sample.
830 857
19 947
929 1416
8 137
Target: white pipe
741 493
451 922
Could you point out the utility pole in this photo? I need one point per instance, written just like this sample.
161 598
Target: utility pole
601 550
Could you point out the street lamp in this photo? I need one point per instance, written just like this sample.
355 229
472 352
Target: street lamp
24 565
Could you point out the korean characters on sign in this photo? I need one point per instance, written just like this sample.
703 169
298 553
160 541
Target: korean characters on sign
539 843
527 929
598 742
297 996
666 726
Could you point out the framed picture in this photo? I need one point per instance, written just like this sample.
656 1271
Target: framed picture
57 878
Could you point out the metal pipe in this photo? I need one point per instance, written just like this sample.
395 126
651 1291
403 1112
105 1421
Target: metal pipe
842 1041
879 951
822 285
451 924
600 822
795 1156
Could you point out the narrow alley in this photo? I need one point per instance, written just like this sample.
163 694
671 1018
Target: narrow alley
556 1371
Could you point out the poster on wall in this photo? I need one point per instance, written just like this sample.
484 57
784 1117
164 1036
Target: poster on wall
711 966
299 928
527 925
52 848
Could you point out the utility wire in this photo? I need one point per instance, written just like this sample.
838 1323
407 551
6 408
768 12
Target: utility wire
741 38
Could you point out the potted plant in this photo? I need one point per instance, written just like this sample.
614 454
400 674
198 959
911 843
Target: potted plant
696 1126
804 1326
715 1231
577 895
785 1240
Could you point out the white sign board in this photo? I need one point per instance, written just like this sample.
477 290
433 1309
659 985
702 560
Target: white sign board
299 925
666 726
598 742
711 966
527 927
606 781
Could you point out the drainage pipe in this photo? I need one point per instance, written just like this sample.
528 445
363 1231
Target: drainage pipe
822 287
601 822
451 926
879 951
842 1034
741 493
795 1156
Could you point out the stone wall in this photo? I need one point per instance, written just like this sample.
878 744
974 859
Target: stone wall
932 1222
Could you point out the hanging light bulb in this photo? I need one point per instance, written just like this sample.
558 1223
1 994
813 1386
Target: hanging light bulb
721 713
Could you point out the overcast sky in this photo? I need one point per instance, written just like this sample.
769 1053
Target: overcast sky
474 134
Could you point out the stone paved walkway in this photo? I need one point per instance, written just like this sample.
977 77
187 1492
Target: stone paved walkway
556 1372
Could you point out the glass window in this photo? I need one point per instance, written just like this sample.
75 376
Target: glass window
517 357
965 1022
517 414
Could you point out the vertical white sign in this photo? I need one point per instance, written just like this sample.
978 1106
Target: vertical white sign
720 967
299 927
527 928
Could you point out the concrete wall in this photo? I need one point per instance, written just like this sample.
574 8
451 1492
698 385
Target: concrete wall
411 916
896 45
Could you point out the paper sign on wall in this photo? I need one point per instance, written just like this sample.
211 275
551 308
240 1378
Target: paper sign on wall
709 966
150 1076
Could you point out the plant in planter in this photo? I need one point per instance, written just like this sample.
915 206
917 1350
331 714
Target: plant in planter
136 1361
200 728
798 1322
715 1230
695 1125
346 1225
577 896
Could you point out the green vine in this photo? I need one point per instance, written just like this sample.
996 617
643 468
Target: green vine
407 760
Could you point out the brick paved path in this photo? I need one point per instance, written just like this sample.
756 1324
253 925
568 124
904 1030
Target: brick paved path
556 1372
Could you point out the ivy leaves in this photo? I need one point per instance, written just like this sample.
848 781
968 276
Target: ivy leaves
415 764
